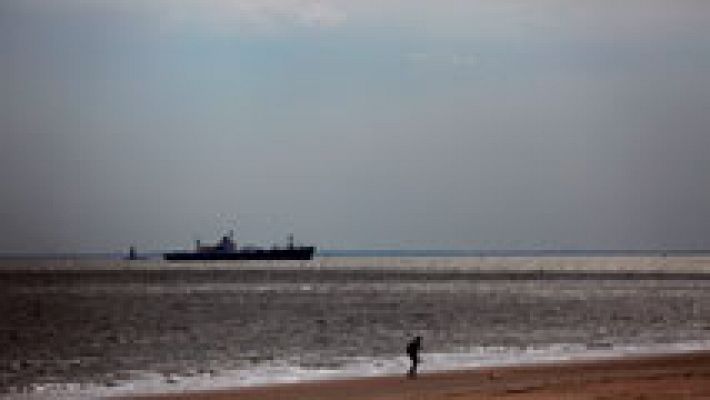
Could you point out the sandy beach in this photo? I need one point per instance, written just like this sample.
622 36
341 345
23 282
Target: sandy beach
677 376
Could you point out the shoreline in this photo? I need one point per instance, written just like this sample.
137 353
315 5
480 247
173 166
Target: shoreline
680 375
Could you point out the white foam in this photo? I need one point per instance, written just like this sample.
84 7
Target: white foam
289 371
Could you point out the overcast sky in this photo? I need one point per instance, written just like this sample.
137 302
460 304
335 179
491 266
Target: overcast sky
483 124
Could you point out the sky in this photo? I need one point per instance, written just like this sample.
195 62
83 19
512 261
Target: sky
388 124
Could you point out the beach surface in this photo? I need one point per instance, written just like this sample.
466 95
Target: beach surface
676 376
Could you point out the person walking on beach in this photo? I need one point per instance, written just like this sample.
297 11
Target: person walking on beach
413 348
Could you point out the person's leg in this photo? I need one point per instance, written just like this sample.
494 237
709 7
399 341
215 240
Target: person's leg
412 367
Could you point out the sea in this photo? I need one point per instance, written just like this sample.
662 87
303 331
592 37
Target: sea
88 328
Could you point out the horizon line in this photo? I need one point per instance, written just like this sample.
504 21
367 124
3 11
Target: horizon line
362 252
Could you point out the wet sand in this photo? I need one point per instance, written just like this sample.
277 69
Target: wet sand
678 376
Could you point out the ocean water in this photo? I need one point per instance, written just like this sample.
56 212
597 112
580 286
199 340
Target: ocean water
103 328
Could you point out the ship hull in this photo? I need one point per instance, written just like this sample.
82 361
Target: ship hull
296 253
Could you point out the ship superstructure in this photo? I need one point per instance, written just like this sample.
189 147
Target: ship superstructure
228 249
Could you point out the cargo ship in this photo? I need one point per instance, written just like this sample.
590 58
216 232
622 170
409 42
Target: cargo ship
227 249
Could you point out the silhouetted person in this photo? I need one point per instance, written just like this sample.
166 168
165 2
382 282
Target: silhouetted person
413 349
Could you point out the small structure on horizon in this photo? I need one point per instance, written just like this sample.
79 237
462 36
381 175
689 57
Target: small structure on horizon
133 254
